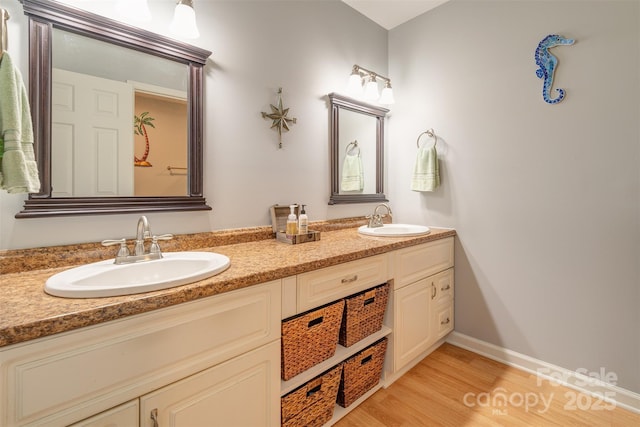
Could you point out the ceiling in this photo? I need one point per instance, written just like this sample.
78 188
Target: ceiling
391 13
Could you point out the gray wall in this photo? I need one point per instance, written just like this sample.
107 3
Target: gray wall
545 198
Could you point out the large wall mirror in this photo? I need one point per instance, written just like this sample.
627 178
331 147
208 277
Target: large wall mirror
357 151
117 115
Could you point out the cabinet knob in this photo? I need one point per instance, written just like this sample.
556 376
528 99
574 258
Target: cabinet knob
154 417
350 279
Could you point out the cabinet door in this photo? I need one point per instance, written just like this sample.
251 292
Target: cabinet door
244 391
412 322
124 415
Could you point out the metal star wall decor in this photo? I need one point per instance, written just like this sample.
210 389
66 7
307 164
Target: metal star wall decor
279 118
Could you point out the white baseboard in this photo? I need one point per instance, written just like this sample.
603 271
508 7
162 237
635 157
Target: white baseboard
584 383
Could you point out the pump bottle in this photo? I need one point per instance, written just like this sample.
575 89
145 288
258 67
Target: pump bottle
303 221
292 222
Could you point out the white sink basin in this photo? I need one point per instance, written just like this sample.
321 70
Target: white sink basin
395 230
106 279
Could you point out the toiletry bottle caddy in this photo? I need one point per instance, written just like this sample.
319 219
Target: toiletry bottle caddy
279 217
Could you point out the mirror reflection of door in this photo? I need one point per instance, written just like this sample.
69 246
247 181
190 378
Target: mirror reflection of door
91 136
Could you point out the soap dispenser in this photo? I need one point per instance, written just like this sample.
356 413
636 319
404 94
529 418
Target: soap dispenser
303 221
292 222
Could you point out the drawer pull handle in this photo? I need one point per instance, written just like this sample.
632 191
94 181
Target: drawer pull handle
446 288
369 300
445 322
366 359
315 321
154 417
314 390
433 291
350 279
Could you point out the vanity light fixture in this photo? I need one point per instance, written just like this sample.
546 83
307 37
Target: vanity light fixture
184 21
369 79
134 10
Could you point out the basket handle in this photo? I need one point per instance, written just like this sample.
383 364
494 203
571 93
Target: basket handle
369 297
315 321
368 355
314 387
366 359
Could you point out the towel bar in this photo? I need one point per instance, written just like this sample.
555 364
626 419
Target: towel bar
429 133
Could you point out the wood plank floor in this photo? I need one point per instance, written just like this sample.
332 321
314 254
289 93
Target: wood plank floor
456 387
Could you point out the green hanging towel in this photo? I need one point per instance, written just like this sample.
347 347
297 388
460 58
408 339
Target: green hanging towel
18 169
426 172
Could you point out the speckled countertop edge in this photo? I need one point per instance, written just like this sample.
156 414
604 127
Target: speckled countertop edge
27 312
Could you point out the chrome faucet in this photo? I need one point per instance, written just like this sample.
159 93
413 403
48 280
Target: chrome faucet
143 232
375 220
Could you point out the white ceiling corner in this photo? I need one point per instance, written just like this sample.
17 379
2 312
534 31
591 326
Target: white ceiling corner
391 13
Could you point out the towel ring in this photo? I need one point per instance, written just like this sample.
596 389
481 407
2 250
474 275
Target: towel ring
429 133
354 143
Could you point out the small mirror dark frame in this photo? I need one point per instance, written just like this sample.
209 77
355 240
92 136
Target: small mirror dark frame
44 15
337 102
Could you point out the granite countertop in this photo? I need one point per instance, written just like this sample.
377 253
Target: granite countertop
27 312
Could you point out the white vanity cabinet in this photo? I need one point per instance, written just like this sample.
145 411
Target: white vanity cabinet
422 301
221 348
216 360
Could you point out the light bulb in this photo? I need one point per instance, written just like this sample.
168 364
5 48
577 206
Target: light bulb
354 87
371 90
386 97
184 21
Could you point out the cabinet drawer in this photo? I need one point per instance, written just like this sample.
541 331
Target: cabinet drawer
443 319
442 286
416 262
319 287
105 365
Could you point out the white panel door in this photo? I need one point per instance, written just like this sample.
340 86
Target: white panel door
92 136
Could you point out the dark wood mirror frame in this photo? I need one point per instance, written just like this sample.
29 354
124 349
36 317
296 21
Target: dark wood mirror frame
44 15
337 102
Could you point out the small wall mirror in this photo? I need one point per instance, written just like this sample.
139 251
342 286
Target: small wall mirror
117 115
357 151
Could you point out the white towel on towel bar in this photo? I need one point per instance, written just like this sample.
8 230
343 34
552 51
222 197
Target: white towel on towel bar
352 173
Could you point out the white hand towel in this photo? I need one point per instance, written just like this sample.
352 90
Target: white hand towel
352 173
426 172
18 169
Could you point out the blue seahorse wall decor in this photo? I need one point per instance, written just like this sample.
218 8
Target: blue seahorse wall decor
548 63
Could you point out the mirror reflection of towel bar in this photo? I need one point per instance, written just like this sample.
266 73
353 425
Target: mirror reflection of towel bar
172 168
353 145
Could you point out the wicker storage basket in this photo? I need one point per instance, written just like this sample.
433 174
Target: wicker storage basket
310 338
363 314
361 372
313 403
